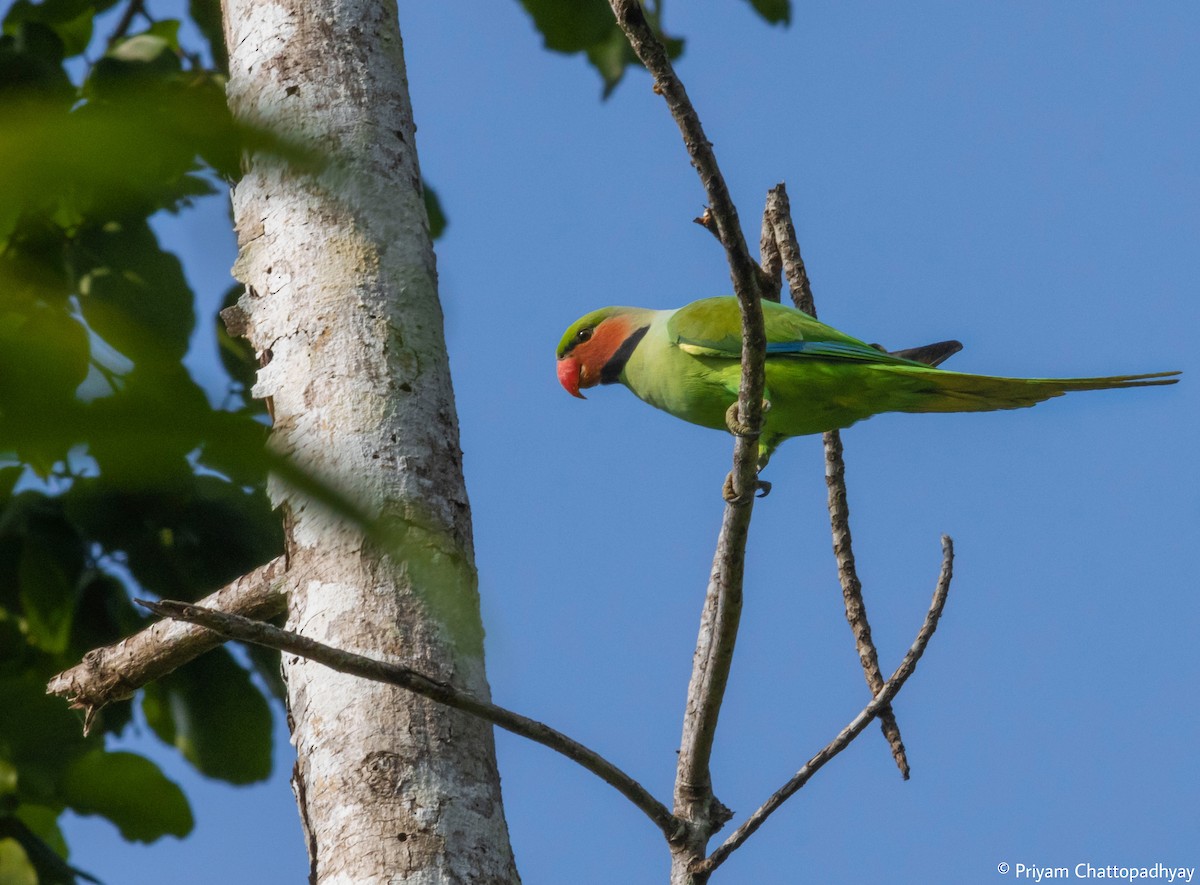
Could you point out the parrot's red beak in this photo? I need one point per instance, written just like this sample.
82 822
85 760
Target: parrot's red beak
568 376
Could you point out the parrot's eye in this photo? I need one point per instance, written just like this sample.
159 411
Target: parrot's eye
583 335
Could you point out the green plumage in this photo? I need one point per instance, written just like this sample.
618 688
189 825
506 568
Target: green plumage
689 364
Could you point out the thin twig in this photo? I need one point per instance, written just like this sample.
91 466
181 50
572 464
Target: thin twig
242 629
721 210
881 700
852 596
126 21
779 213
694 801
772 261
115 672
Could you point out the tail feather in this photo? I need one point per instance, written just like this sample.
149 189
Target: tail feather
930 354
942 391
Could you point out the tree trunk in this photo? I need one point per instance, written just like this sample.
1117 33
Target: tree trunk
341 304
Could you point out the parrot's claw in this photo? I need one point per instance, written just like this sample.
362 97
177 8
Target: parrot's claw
737 428
762 488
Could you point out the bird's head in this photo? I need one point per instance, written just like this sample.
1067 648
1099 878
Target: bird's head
595 348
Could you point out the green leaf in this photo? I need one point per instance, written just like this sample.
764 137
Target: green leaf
39 736
8 778
8 479
41 844
588 26
156 707
774 11
169 529
43 358
141 440
48 593
137 62
146 48
610 57
433 211
49 565
30 66
15 868
571 25
45 846
129 790
14 653
70 19
168 29
211 711
43 823
134 294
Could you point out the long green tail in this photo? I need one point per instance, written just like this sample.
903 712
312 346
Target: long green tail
942 391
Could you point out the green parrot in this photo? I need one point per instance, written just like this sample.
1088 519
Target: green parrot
687 362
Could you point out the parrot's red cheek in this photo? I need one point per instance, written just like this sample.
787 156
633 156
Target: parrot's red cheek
568 376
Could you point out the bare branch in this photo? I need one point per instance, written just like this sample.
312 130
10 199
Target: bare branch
880 702
230 626
772 261
115 672
694 799
778 216
856 608
711 663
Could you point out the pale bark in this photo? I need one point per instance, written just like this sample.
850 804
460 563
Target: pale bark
114 672
342 307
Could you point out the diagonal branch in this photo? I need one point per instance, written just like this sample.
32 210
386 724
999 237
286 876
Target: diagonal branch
781 233
778 218
772 261
229 626
115 672
880 702
722 607
856 608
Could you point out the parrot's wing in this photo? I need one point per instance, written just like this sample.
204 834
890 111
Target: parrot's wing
713 328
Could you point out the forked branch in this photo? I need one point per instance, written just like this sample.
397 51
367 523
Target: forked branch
779 238
880 702
227 626
694 799
781 249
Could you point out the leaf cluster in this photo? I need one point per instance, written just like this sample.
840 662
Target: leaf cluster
588 27
117 474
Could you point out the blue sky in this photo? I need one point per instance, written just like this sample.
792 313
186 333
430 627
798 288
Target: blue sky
1020 176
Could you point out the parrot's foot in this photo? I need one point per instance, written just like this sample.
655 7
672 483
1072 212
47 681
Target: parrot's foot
737 428
762 487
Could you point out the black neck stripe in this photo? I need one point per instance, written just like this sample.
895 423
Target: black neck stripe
611 372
